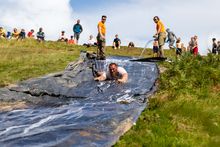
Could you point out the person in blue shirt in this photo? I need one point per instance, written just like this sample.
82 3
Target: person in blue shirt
77 29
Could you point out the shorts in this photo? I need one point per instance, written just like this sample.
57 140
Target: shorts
161 38
195 50
76 35
155 49
178 51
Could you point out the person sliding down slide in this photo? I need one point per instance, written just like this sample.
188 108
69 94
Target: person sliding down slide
115 73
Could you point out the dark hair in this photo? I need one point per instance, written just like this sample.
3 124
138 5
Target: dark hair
213 39
104 16
156 17
113 64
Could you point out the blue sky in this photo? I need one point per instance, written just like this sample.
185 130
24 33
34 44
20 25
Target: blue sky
131 19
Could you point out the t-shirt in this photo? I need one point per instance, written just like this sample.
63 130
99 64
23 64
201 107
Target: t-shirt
77 28
71 41
15 34
171 36
62 37
116 40
161 25
3 33
103 28
30 34
40 34
91 41
121 71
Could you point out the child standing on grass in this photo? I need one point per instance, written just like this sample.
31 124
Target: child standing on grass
178 47
155 48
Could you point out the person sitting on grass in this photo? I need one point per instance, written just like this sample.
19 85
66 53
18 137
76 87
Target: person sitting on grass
155 48
114 73
22 35
40 35
71 41
8 36
2 33
130 44
62 37
31 34
116 42
91 42
15 34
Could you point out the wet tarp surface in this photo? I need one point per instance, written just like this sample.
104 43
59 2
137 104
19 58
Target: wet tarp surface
71 109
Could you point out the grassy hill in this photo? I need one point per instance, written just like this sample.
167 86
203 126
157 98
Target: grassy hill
185 111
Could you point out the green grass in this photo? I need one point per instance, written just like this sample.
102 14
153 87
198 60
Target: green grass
185 111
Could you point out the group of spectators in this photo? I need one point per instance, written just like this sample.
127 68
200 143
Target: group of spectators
163 36
17 34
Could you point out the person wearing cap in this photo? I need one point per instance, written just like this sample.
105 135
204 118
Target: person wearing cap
160 34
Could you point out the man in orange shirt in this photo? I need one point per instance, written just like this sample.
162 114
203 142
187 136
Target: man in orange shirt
160 34
101 38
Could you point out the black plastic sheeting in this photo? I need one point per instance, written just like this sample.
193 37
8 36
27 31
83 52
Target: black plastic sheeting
71 109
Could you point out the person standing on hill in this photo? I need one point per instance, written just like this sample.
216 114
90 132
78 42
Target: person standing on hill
195 48
171 38
101 40
160 34
77 29
214 46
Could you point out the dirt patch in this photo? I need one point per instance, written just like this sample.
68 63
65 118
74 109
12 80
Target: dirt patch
162 69
9 106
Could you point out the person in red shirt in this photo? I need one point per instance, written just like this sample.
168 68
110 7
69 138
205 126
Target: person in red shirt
31 34
71 41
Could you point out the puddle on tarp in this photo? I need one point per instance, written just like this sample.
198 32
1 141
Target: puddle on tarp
71 109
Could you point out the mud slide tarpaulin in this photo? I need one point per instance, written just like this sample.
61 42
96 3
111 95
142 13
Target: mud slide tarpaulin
73 109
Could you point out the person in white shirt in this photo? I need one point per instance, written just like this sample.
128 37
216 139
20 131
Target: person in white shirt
91 42
62 37
114 73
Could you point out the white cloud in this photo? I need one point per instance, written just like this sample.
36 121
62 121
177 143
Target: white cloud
133 20
52 15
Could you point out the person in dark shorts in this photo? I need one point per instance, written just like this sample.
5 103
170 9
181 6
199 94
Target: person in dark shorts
116 42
